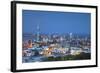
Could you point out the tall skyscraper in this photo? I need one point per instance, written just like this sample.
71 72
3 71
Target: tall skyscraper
70 35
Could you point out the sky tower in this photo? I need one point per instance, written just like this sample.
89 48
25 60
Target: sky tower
38 32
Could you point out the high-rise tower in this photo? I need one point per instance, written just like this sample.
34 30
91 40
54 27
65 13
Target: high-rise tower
38 32
70 35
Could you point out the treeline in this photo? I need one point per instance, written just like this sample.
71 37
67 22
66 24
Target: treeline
81 56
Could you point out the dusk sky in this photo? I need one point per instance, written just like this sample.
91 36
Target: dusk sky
56 22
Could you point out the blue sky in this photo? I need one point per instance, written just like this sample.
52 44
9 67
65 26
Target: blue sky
56 22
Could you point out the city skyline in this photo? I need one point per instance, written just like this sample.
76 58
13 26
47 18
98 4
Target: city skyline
67 36
56 22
